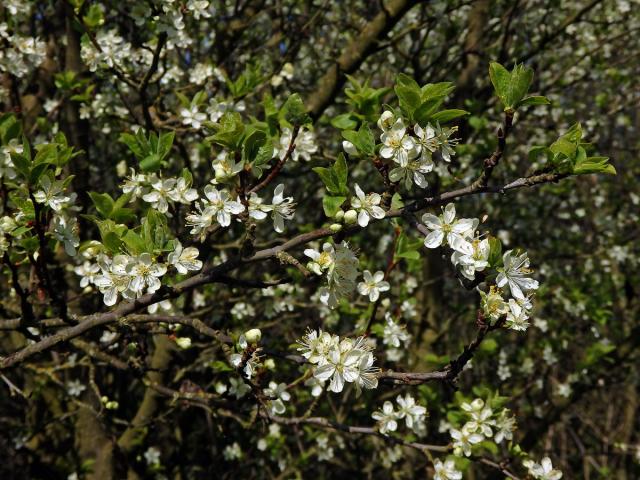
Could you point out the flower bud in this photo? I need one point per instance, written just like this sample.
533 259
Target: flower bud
183 342
253 336
350 217
339 215
269 364
335 227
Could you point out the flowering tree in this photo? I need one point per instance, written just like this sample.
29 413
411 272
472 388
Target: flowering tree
185 238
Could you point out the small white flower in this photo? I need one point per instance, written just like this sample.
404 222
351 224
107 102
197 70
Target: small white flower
88 272
185 259
192 117
367 206
517 317
152 456
161 191
464 440
221 205
145 272
282 208
387 418
514 273
397 145
446 228
52 194
304 144
75 388
543 470
446 470
372 285
410 411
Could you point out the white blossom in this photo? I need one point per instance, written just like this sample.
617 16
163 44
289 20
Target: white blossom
446 229
372 285
367 206
514 274
184 259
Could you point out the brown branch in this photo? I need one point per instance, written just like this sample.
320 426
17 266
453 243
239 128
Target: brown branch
355 54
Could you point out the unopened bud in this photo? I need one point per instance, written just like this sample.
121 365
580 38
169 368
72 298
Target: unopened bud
183 342
253 336
350 217
339 215
335 227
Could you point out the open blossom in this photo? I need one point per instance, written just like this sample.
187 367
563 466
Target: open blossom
64 230
185 259
225 167
517 317
386 120
279 395
446 470
492 304
217 204
182 192
413 172
192 117
387 418
145 273
282 208
464 440
159 194
114 279
394 334
397 145
505 425
410 410
372 285
543 470
480 417
341 267
427 141
367 206
514 273
52 194
134 184
87 273
446 229
476 262
304 144
339 360
446 143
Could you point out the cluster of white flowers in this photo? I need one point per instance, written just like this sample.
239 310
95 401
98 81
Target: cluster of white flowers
113 52
7 168
217 205
341 267
22 54
339 360
412 413
395 337
281 208
132 276
413 153
278 394
305 145
157 191
543 470
245 357
481 427
471 255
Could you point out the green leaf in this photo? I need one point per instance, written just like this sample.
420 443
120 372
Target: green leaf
408 248
344 122
134 242
103 203
36 173
335 177
229 130
409 94
444 116
151 163
165 143
534 100
294 111
521 78
501 80
112 241
252 144
495 252
331 204
363 139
